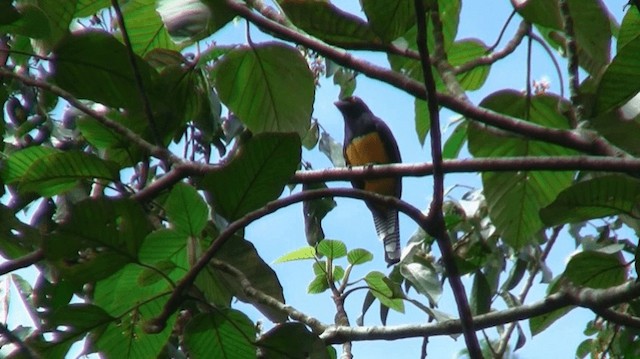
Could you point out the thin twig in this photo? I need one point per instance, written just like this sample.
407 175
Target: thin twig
136 73
491 58
503 30
434 223
552 56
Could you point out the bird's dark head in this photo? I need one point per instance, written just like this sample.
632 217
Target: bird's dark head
351 107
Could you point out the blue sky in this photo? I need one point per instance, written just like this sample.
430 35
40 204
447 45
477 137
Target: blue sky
351 221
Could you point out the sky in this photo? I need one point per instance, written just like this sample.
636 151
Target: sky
351 222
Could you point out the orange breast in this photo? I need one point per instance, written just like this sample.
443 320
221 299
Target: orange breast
367 150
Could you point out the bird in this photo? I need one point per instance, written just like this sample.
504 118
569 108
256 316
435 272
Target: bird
368 141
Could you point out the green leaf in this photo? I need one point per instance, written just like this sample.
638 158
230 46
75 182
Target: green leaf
19 162
303 253
423 120
277 343
162 245
468 50
621 80
515 198
268 86
79 316
256 175
93 65
97 238
628 28
242 255
455 141
380 287
31 22
594 198
86 8
592 28
329 23
186 210
126 338
596 269
145 27
59 15
56 172
480 302
359 256
424 279
224 334
332 149
390 19
332 248
318 285
540 323
158 272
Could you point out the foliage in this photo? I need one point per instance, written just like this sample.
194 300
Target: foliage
139 165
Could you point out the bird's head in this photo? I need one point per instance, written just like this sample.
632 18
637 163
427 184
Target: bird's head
351 107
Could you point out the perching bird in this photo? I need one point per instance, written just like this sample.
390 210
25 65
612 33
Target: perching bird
368 140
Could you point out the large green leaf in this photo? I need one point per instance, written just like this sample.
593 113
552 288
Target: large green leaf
594 198
621 80
596 269
59 14
97 238
628 28
515 198
329 23
29 20
390 19
93 65
145 28
541 322
224 334
86 8
268 86
55 172
126 338
186 210
256 175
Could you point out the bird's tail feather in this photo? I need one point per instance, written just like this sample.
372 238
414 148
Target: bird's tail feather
386 222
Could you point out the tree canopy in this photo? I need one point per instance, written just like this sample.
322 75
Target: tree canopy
137 150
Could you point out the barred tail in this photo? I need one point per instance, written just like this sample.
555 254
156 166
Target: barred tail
386 222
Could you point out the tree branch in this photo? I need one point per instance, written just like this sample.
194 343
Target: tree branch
565 138
22 262
583 297
489 59
157 324
572 59
434 222
156 151
259 297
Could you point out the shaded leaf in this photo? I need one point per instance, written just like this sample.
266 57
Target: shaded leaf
594 198
224 334
277 343
256 175
621 80
381 288
329 23
186 210
595 269
268 86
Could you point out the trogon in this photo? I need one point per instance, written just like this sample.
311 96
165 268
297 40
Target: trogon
368 140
